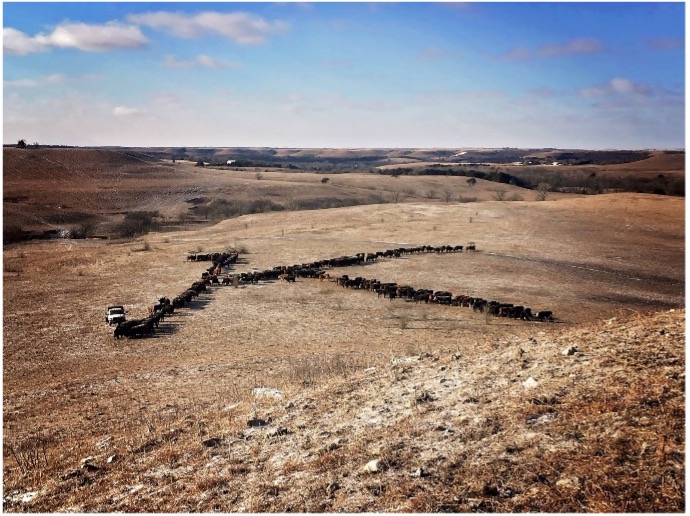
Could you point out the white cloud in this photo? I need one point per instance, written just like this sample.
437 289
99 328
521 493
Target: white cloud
210 62
32 83
122 111
628 87
242 28
21 83
575 46
594 91
617 86
172 61
97 38
621 85
15 42
82 36
56 77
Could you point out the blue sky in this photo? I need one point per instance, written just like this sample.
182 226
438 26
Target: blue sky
567 75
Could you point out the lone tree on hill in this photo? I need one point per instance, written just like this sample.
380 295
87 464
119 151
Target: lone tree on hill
471 182
21 144
542 190
499 194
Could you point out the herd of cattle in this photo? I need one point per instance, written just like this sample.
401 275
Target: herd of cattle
165 306
317 269
441 297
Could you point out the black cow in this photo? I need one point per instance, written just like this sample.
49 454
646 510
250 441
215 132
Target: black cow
544 315
122 328
141 330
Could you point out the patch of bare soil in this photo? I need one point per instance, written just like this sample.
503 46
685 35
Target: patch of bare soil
70 390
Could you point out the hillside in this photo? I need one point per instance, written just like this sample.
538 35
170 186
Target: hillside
589 419
90 190
659 162
70 390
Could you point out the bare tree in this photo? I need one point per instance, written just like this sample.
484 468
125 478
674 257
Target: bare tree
542 190
447 195
261 204
431 194
395 196
292 205
499 194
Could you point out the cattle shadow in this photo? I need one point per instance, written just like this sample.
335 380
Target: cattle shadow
198 303
166 329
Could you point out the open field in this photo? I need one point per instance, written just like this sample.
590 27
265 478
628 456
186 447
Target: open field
91 190
49 188
658 163
68 385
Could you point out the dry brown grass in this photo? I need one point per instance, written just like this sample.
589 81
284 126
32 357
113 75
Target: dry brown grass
61 188
71 391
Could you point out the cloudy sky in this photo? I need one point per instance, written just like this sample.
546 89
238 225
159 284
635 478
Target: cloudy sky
587 75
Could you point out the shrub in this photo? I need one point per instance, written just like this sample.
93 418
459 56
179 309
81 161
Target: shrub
542 190
499 195
137 223
83 230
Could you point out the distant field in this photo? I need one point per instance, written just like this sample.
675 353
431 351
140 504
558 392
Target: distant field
60 188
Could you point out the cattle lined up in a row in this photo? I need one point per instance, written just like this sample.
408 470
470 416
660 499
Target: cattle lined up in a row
221 259
441 297
165 306
144 327
317 269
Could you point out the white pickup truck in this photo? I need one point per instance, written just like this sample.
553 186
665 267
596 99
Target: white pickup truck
115 314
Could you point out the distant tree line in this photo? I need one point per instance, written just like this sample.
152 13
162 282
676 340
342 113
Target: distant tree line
570 181
613 157
496 176
218 209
